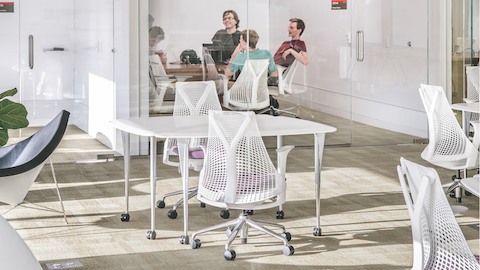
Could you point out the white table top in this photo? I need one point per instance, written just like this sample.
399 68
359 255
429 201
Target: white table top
197 126
466 107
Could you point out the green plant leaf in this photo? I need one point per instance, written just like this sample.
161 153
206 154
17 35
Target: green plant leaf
3 137
13 115
9 93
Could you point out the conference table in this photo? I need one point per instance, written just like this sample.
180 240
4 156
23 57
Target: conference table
184 127
467 109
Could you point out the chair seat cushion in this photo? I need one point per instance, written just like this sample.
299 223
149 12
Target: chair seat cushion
193 153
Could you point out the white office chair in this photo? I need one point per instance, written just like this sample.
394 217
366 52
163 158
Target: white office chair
438 242
473 86
448 146
14 252
210 72
191 99
159 84
250 91
238 174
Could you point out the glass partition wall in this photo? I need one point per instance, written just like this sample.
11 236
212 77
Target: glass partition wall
465 44
367 58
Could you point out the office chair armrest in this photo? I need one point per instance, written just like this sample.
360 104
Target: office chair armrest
282 154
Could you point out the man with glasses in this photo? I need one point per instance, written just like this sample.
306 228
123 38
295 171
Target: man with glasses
227 39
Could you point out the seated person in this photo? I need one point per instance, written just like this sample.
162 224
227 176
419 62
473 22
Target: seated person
291 49
294 48
227 39
156 35
239 55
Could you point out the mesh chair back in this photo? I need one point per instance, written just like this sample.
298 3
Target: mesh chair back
448 145
285 77
473 83
438 242
210 72
250 91
237 168
192 99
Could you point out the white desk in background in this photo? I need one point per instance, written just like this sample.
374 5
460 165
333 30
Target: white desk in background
466 109
185 127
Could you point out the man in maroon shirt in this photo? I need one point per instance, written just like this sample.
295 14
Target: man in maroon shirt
291 49
294 48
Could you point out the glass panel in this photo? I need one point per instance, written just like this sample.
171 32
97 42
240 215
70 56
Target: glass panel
46 57
321 89
365 62
465 48
388 65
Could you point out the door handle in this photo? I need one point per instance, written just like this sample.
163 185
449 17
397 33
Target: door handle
360 46
30 51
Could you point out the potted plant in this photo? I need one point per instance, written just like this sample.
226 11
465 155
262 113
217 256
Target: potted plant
13 115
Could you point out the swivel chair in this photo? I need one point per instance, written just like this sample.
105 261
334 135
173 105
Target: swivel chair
238 174
250 91
438 242
191 99
448 146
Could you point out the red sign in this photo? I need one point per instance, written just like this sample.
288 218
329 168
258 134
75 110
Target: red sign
339 4
6 7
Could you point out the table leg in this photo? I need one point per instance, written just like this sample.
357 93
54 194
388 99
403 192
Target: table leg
280 214
465 117
184 170
319 145
126 161
151 234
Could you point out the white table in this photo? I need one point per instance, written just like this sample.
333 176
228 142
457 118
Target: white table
466 109
185 127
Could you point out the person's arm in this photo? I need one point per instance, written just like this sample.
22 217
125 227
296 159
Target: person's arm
300 56
228 71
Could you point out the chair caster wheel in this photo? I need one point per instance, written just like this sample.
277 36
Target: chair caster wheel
151 235
224 214
249 212
288 250
229 255
125 217
172 214
317 232
196 244
161 204
468 193
184 239
202 205
452 194
287 236
280 215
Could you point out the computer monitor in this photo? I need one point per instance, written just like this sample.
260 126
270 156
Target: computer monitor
216 51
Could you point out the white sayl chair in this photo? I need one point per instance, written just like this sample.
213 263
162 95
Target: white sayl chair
238 174
210 72
15 254
191 99
438 242
473 86
285 81
448 146
22 162
250 90
159 83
